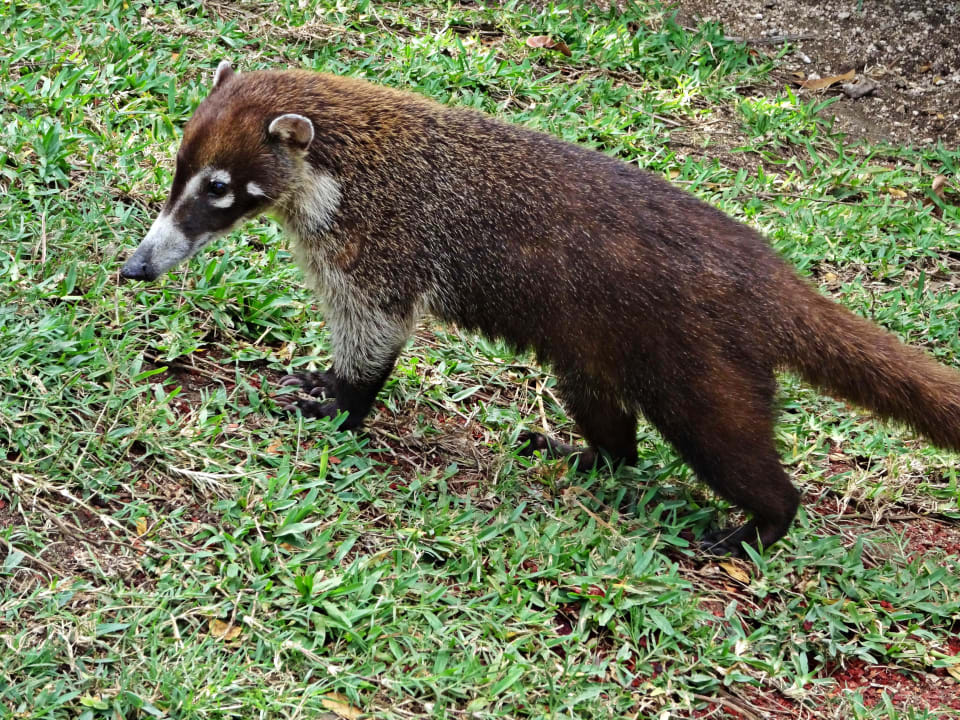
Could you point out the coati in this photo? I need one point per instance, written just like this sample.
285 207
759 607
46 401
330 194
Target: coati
642 298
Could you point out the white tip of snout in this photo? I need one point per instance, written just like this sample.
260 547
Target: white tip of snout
167 244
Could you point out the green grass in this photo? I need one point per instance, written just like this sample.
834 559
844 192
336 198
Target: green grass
420 568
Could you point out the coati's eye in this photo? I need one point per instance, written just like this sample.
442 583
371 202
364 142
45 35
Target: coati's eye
217 188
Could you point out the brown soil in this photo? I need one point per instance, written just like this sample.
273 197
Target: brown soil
910 49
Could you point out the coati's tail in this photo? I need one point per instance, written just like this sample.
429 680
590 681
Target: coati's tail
856 360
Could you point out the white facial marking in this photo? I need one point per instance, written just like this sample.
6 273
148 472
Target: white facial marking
219 176
254 189
222 202
190 190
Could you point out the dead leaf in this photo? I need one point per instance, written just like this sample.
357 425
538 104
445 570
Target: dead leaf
224 631
736 572
673 173
924 68
896 192
545 41
141 526
939 183
340 706
274 446
954 671
823 83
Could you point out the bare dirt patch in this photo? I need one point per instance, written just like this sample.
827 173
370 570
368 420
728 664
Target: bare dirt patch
910 50
933 691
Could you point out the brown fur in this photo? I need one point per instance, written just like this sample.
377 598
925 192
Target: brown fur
641 297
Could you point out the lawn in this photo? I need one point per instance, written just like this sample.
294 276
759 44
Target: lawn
171 546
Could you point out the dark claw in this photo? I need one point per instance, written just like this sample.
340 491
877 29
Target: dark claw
530 442
311 409
310 382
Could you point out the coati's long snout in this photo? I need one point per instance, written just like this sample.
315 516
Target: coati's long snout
642 298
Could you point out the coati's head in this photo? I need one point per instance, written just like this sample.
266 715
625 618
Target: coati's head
239 155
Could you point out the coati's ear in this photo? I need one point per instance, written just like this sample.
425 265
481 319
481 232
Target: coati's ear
223 73
292 129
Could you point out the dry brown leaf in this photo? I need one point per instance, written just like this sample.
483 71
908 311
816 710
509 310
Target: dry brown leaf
896 192
736 572
538 41
141 526
545 41
823 83
274 446
340 705
939 183
224 631
673 173
954 671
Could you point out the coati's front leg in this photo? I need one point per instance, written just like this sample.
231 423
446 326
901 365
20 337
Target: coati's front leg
366 341
355 398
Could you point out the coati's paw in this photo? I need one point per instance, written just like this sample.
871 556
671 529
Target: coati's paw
724 542
529 442
311 408
316 384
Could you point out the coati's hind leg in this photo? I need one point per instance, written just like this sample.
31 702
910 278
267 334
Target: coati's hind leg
721 423
608 427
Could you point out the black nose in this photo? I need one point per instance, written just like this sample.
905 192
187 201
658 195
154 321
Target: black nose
133 271
138 268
